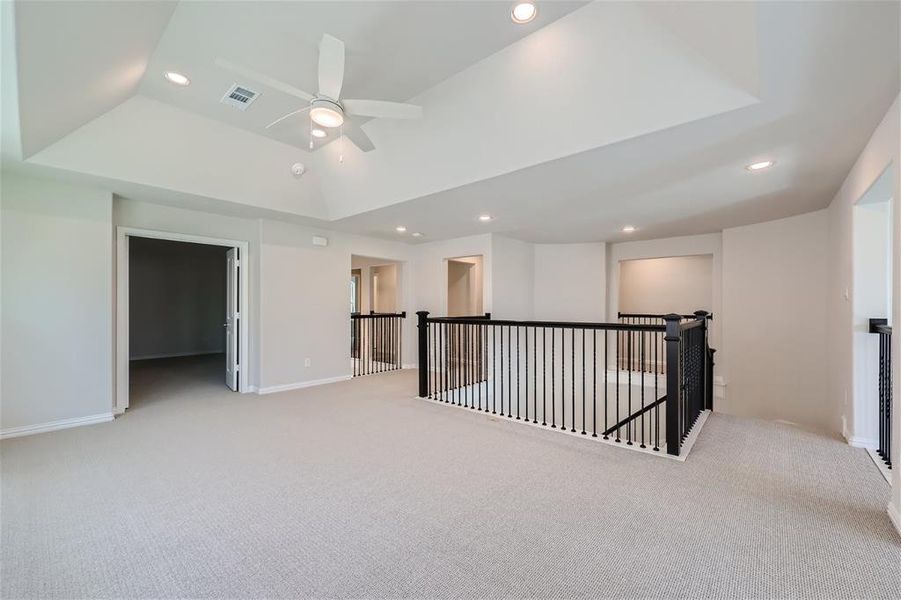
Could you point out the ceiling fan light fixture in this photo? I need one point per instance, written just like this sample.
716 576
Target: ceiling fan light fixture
327 113
523 12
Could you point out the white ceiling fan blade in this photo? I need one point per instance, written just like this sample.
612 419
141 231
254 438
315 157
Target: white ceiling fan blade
331 66
290 114
353 132
382 109
264 79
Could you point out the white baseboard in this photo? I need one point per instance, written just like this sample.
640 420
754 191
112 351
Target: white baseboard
54 425
880 464
176 354
894 517
862 442
301 384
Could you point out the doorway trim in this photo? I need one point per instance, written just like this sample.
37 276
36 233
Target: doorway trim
122 301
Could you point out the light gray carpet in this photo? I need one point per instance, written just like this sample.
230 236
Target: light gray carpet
358 490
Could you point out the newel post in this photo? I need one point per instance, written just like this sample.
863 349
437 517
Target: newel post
706 363
673 435
423 316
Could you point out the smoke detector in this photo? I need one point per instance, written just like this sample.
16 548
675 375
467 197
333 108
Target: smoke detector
298 169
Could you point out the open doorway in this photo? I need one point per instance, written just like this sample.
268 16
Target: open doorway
376 319
872 304
179 316
464 286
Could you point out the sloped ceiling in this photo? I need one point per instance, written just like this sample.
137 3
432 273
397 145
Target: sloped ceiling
78 60
593 116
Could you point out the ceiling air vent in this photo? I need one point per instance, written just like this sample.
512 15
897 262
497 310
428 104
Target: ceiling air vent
239 96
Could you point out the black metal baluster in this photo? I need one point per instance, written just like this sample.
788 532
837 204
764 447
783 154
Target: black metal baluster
619 346
583 381
493 369
447 361
563 379
553 383
594 384
606 387
501 413
526 333
518 380
466 359
535 375
544 376
509 372
631 423
641 356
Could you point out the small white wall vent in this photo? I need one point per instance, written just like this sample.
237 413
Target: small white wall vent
239 96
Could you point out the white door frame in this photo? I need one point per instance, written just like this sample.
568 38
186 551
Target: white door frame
122 344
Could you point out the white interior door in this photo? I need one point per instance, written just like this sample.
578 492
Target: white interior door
232 317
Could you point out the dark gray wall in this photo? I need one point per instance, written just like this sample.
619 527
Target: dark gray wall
176 298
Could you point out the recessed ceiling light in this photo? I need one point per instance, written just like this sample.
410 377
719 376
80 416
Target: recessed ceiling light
417 234
759 166
523 12
628 229
485 218
400 229
177 78
318 133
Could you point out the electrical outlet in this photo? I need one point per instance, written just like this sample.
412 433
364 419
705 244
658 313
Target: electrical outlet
307 362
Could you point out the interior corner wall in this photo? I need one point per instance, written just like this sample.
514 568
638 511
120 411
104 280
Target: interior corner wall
56 310
576 272
304 303
774 320
690 245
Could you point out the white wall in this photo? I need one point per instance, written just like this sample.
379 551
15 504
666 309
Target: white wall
691 245
57 302
678 284
883 151
384 288
430 270
774 320
392 285
512 278
177 298
576 272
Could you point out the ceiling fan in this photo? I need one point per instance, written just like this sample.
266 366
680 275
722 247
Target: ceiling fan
327 108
